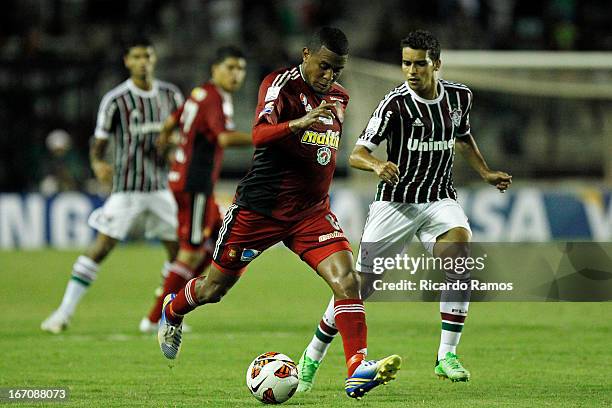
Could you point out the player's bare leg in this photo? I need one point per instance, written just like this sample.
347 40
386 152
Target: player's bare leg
349 315
453 305
198 291
84 272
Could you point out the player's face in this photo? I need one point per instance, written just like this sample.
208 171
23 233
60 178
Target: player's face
229 74
322 68
140 61
419 70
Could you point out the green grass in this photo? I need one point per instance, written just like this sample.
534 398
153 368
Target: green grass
520 354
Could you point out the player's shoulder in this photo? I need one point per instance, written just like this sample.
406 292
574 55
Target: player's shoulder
394 94
167 86
455 86
399 91
340 91
205 92
281 77
115 93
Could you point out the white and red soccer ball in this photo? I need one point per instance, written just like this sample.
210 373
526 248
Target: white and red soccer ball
272 378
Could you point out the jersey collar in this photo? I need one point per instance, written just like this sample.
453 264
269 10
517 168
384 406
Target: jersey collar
428 101
141 92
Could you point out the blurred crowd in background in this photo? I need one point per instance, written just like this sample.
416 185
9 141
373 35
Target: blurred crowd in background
58 57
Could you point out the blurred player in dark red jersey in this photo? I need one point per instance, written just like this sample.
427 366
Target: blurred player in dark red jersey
285 197
206 127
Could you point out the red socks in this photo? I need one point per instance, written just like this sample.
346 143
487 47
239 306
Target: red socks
184 302
175 281
351 323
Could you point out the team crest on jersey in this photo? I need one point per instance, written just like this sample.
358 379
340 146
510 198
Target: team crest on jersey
324 155
455 115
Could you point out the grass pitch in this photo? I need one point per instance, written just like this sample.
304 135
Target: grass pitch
520 354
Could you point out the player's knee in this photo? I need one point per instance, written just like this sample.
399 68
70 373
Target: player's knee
454 250
190 258
348 285
366 284
100 249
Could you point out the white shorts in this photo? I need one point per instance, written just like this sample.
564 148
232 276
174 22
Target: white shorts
154 212
391 226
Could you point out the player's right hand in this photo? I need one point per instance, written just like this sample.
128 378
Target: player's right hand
303 123
103 171
388 172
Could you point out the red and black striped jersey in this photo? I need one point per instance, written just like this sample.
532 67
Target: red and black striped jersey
208 112
133 118
290 178
420 136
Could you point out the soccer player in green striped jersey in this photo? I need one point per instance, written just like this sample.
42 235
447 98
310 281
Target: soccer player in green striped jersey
424 120
131 115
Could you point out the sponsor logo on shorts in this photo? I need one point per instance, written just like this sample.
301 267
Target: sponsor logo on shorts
327 237
329 138
249 254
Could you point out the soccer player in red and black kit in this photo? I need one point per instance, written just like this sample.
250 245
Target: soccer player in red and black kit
206 127
284 197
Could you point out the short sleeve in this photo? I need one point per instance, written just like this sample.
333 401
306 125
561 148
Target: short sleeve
106 117
464 125
269 102
202 113
378 126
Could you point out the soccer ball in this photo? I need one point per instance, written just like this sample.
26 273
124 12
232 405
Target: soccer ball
272 378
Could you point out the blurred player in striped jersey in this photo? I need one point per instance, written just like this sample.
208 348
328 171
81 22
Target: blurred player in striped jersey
206 123
131 115
423 120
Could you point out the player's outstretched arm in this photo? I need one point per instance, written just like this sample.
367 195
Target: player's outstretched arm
234 139
101 168
361 158
468 148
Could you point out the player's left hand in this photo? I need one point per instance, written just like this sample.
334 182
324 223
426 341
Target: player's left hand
500 179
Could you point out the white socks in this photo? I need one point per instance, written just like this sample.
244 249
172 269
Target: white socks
84 272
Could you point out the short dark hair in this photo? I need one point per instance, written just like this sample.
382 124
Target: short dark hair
331 38
138 41
423 40
228 51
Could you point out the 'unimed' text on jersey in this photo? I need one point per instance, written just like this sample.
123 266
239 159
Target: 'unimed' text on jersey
290 178
208 112
420 137
133 118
